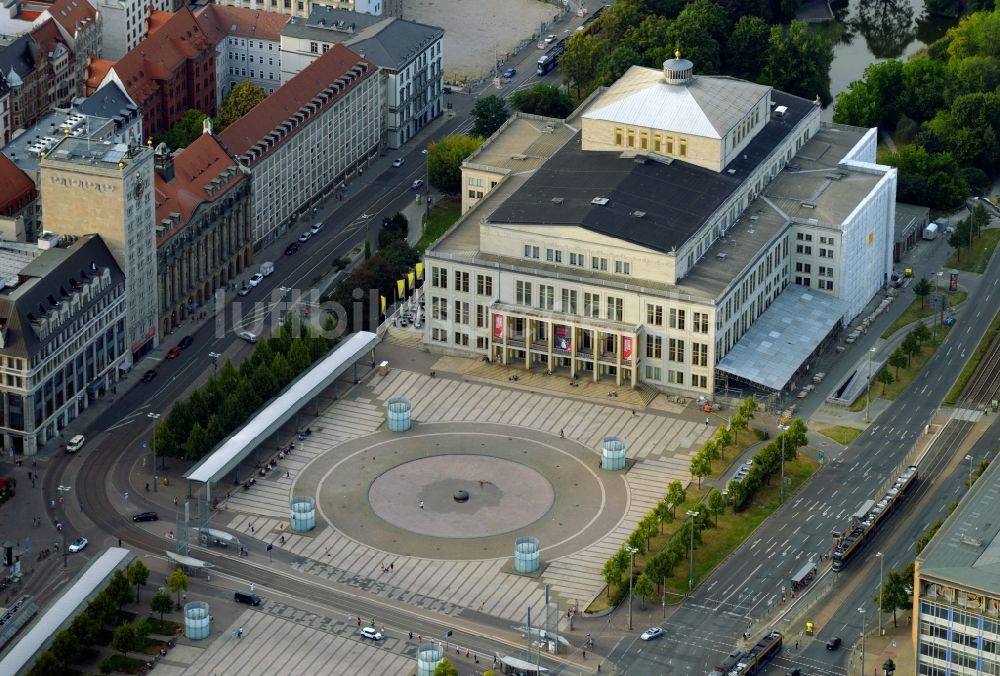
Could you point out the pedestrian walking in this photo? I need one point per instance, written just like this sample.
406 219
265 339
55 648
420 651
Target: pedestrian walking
241 632
175 501
390 567
562 434
706 422
251 587
359 620
411 635
421 504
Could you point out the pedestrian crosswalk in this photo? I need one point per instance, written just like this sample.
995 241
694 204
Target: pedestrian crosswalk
661 446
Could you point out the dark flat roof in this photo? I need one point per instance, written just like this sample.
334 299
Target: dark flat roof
675 198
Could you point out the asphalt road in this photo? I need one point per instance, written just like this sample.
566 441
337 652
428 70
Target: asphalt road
744 590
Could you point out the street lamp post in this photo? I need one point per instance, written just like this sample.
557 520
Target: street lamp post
427 183
881 561
693 516
868 396
156 480
968 459
632 551
862 611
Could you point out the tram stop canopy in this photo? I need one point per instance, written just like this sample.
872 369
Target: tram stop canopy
784 337
232 450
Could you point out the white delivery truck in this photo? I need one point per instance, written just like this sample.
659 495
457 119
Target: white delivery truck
931 231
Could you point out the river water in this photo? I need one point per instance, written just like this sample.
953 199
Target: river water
870 31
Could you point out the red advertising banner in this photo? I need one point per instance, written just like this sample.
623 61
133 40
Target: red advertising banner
563 339
953 282
498 326
626 347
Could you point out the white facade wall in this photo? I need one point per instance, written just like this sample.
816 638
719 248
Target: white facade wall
125 24
866 249
337 142
414 95
239 58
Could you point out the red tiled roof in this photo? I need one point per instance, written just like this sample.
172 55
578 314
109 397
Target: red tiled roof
48 36
219 21
178 39
194 167
73 15
157 20
97 69
267 115
15 182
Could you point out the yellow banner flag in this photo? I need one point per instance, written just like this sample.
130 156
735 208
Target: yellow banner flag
400 286
382 300
420 270
409 280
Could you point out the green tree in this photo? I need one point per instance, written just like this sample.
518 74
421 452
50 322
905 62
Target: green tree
663 513
723 438
47 664
736 493
138 574
238 103
648 527
488 114
885 378
166 443
911 346
198 443
874 100
444 161
124 639
921 333
215 431
799 61
924 87
643 588
580 63
543 99
185 131
697 33
744 57
84 628
676 495
716 504
160 603
893 596
897 360
445 668
612 573
66 648
142 630
176 583
927 179
179 421
119 589
701 466
926 537
922 289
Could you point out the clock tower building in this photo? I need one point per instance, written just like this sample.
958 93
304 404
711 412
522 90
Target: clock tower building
107 188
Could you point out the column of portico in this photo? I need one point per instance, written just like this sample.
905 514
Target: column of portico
505 319
527 343
635 358
618 359
549 335
597 347
574 335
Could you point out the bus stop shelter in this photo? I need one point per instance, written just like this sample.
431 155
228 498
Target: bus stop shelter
235 448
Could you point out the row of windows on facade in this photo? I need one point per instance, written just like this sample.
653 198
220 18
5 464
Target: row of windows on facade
270 90
821 284
939 632
260 59
233 41
662 143
253 74
55 352
578 260
960 658
748 123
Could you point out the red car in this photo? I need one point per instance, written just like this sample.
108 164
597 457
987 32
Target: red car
174 352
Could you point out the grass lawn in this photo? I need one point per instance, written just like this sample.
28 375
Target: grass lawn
442 216
982 250
839 433
915 312
973 363
905 375
166 628
732 529
124 664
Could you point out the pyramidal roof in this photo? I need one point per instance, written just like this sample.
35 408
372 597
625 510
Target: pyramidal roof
703 105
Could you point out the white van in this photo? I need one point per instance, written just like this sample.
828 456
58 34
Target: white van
266 268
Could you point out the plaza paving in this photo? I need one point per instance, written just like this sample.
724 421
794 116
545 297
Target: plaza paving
349 459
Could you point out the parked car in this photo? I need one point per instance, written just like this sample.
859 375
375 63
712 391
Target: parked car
248 336
174 352
549 39
510 72
305 236
256 279
651 633
185 342
416 185
316 228
248 598
291 248
78 545
145 516
372 633
833 643
148 375
75 444
794 672
244 291
398 162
